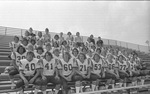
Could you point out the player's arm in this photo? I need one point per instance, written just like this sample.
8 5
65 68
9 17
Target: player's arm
78 71
59 66
116 68
74 66
89 68
39 71
21 73
13 56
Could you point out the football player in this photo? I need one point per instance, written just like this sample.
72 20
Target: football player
39 54
66 70
28 71
50 71
16 57
84 69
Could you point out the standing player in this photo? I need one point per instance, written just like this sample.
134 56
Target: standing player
28 71
75 53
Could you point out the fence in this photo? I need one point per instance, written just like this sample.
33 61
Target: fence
17 31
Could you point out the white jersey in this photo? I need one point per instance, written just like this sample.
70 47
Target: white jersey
111 65
39 56
49 67
83 67
97 66
14 46
123 65
17 57
67 66
29 68
132 65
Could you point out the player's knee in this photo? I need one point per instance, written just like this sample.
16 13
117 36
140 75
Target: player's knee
13 72
94 77
19 83
39 81
77 78
58 81
77 83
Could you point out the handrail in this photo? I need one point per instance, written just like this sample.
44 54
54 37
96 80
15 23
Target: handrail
9 31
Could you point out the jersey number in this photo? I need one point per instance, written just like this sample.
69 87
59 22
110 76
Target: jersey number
47 66
67 67
20 57
122 67
111 66
83 68
32 67
97 66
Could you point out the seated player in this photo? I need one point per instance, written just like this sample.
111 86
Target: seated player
133 71
57 54
97 71
39 54
39 37
16 57
55 41
70 39
50 71
61 38
26 35
78 40
63 45
66 70
39 43
83 70
28 71
47 36
75 53
48 48
142 73
33 42
123 67
111 70
30 48
14 44
24 43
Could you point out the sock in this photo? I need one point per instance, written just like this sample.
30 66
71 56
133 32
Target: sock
142 81
56 91
35 91
21 92
113 86
125 84
81 88
12 81
96 88
120 84
77 89
106 86
93 87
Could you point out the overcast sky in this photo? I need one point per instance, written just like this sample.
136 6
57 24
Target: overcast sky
125 21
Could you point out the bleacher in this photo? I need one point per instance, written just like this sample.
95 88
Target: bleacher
5 61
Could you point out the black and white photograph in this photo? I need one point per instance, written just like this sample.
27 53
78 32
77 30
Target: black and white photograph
74 47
